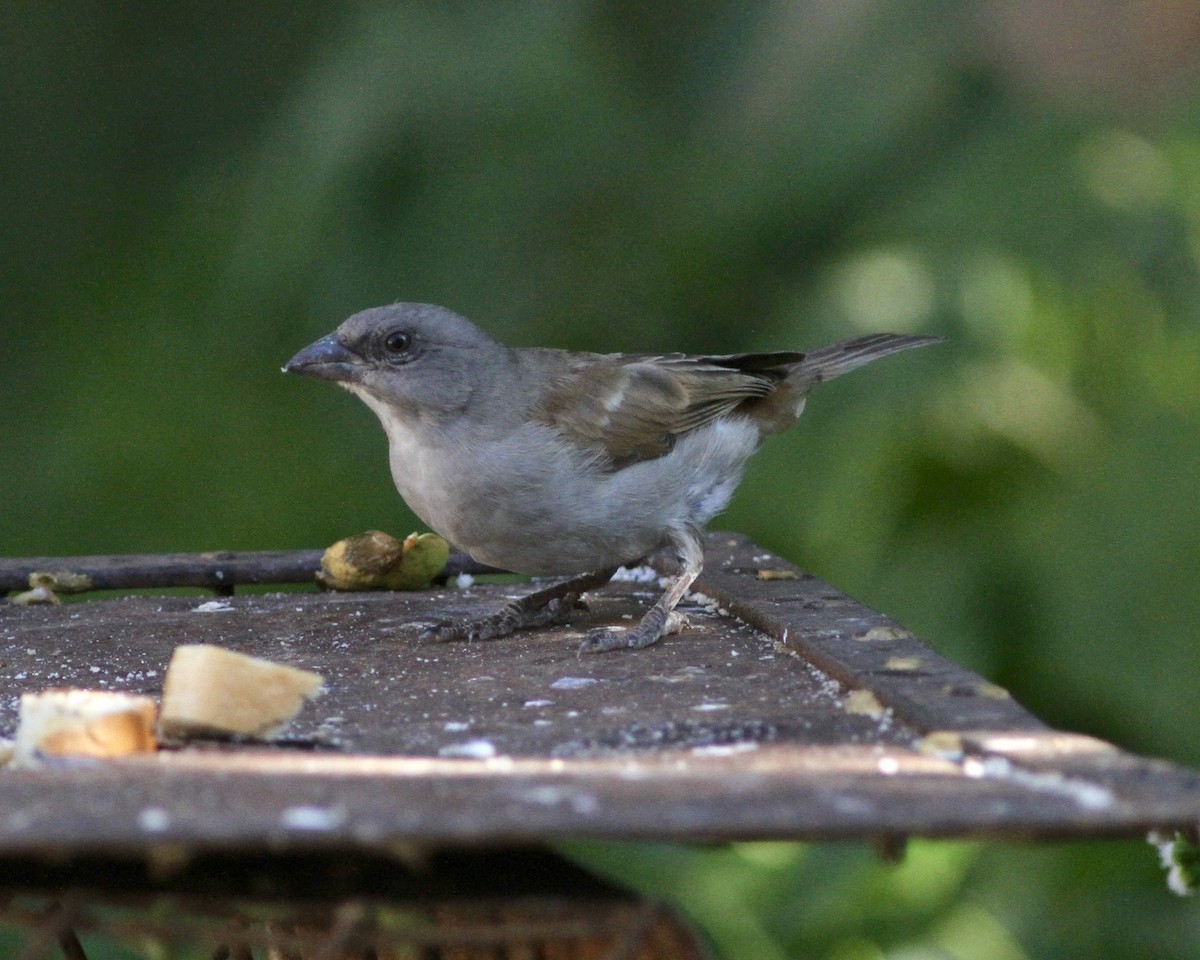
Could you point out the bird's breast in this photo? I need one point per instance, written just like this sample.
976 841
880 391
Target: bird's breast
529 500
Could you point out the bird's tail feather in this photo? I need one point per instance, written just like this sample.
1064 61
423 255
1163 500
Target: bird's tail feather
826 363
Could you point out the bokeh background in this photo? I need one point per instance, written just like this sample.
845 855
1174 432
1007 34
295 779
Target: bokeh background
191 192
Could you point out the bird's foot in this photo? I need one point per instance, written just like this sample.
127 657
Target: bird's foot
541 608
645 633
507 620
662 617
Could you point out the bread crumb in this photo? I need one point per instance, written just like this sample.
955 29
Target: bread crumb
83 723
211 691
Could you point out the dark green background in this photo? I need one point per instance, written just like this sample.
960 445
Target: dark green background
190 193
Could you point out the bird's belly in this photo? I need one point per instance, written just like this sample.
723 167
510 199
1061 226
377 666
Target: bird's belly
545 529
545 509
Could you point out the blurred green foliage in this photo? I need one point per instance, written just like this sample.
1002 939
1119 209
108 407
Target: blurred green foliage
193 192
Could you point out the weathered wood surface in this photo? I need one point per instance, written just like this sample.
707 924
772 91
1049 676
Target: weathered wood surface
798 713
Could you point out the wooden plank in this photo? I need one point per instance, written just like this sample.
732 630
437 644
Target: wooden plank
799 713
856 645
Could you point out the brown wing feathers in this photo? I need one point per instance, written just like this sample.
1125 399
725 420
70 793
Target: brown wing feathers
632 408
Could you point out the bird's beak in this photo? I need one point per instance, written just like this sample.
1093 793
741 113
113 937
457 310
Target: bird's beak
326 359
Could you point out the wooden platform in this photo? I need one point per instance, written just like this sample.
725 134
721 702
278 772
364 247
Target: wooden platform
788 710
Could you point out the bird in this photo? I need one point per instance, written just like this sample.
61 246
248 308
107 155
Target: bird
560 463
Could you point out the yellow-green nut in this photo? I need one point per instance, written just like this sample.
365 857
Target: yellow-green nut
378 561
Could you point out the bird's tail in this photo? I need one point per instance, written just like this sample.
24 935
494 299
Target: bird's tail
826 363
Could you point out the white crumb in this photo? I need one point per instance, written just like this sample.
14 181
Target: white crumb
470 749
213 606
642 574
571 683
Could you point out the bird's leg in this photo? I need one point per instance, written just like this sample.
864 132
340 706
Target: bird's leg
689 551
536 609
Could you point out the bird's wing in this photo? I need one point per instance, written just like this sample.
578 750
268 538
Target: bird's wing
630 408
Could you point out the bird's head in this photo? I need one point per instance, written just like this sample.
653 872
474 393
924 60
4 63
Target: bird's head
415 359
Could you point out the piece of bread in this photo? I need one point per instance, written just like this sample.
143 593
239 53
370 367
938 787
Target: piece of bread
211 691
83 723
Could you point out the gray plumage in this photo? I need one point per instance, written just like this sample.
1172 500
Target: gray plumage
549 461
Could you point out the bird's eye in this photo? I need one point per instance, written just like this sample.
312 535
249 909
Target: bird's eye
398 342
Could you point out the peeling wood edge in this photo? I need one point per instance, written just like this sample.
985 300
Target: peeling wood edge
964 718
857 646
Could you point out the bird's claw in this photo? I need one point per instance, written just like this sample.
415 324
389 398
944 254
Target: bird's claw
644 634
446 630
508 621
601 641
